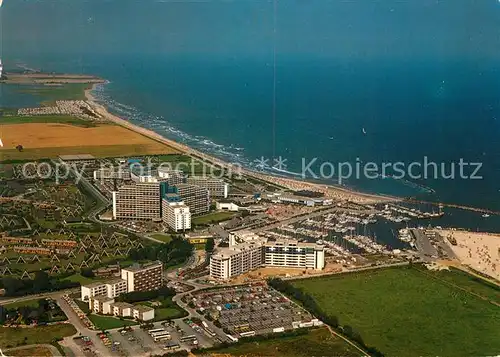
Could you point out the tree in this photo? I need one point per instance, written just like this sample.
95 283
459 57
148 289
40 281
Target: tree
87 272
209 245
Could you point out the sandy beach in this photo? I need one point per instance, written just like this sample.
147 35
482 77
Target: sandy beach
480 251
292 184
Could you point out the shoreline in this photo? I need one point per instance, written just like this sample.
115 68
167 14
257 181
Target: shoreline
289 183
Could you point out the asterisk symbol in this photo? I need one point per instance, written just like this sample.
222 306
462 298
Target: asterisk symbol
261 163
280 163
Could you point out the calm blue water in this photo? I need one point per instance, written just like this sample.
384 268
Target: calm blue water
436 98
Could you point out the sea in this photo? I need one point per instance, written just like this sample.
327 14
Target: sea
262 86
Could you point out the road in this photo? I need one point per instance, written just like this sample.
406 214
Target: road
101 350
53 294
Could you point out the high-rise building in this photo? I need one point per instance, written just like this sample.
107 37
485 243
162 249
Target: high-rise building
175 213
172 177
249 251
143 278
139 201
226 263
216 187
195 197
293 254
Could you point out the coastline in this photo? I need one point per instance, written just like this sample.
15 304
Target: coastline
330 191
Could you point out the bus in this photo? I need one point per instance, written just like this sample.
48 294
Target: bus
163 337
188 338
247 334
156 330
159 333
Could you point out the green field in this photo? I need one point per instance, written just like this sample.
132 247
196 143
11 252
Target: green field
80 279
319 342
97 151
165 238
15 305
407 312
60 119
107 323
168 313
213 217
12 337
49 94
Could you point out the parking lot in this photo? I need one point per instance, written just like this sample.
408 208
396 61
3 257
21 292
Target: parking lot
251 309
135 341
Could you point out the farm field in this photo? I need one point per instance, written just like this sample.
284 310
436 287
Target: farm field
409 312
16 336
319 342
51 136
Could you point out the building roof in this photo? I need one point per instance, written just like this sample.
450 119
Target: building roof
142 308
122 305
93 285
116 281
102 298
138 267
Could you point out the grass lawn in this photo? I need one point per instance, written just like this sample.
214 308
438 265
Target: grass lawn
97 151
165 238
67 91
213 217
84 306
15 336
60 119
107 323
168 313
30 352
406 312
15 305
318 342
80 279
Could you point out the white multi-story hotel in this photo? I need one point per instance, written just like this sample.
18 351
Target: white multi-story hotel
248 251
293 254
176 214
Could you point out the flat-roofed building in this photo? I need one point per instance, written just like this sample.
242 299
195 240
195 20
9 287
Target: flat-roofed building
176 214
143 313
195 197
226 263
100 304
216 187
172 177
137 201
93 289
247 251
143 278
293 254
121 309
116 287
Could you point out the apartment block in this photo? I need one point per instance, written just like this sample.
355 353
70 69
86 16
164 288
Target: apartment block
143 313
195 197
94 289
116 287
143 278
138 201
293 254
176 214
229 262
100 304
248 251
216 187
